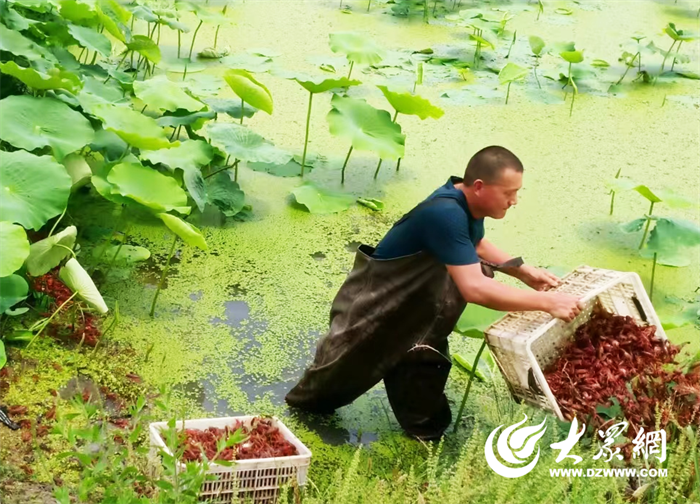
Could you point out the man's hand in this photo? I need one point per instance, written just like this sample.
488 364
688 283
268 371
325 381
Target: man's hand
537 278
562 306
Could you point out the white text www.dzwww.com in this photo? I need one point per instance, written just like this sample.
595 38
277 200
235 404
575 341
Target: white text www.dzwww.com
608 473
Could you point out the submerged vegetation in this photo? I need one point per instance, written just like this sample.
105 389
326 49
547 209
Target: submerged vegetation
163 257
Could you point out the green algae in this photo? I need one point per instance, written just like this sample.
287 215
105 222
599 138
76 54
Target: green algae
220 363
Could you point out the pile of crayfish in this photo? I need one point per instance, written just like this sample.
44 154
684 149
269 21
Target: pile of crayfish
263 440
612 357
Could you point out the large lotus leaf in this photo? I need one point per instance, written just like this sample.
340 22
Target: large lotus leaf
148 187
196 120
251 62
145 47
173 23
186 231
512 72
675 200
620 184
78 11
406 103
124 254
475 320
19 45
367 127
96 91
78 280
54 79
143 12
322 201
244 144
114 18
669 239
249 89
161 93
225 194
13 289
49 252
78 169
321 83
91 39
14 246
14 20
679 35
31 123
34 188
133 127
633 226
189 157
358 48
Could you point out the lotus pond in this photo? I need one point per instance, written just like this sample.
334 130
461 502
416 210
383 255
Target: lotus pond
185 185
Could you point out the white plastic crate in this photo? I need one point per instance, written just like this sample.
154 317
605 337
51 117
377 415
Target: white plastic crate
524 344
251 480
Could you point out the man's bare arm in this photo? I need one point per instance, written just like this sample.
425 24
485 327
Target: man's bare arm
482 290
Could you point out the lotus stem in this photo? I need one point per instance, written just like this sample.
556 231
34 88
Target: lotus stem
81 53
194 37
306 137
369 4
379 165
45 324
111 233
534 70
678 50
612 201
235 170
158 38
434 7
653 273
53 228
568 83
352 63
216 33
663 63
508 92
398 164
628 68
94 58
426 15
179 43
646 227
469 384
342 171
242 114
162 276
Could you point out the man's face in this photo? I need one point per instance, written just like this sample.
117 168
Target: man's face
495 199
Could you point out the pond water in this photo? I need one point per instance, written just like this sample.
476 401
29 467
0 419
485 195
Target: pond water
237 324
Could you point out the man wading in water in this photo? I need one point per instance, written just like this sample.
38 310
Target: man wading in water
391 317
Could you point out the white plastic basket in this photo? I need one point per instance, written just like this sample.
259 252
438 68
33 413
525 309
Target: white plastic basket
251 480
526 343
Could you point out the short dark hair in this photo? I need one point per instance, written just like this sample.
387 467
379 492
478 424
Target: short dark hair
489 163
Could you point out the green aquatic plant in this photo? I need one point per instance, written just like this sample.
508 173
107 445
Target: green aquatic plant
572 56
511 73
367 128
678 36
316 85
537 47
249 90
357 48
408 104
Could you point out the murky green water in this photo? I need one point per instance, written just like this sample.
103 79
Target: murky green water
237 324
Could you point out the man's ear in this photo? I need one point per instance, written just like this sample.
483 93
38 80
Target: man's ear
478 185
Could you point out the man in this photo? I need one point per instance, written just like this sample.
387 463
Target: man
391 318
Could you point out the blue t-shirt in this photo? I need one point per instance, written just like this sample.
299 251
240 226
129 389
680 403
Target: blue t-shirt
444 228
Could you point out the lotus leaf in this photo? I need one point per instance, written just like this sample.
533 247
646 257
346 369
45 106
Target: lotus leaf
46 254
148 187
668 240
244 144
77 279
406 103
367 127
14 246
145 47
322 201
54 79
249 89
34 188
163 94
133 127
13 289
357 47
91 39
225 194
186 231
